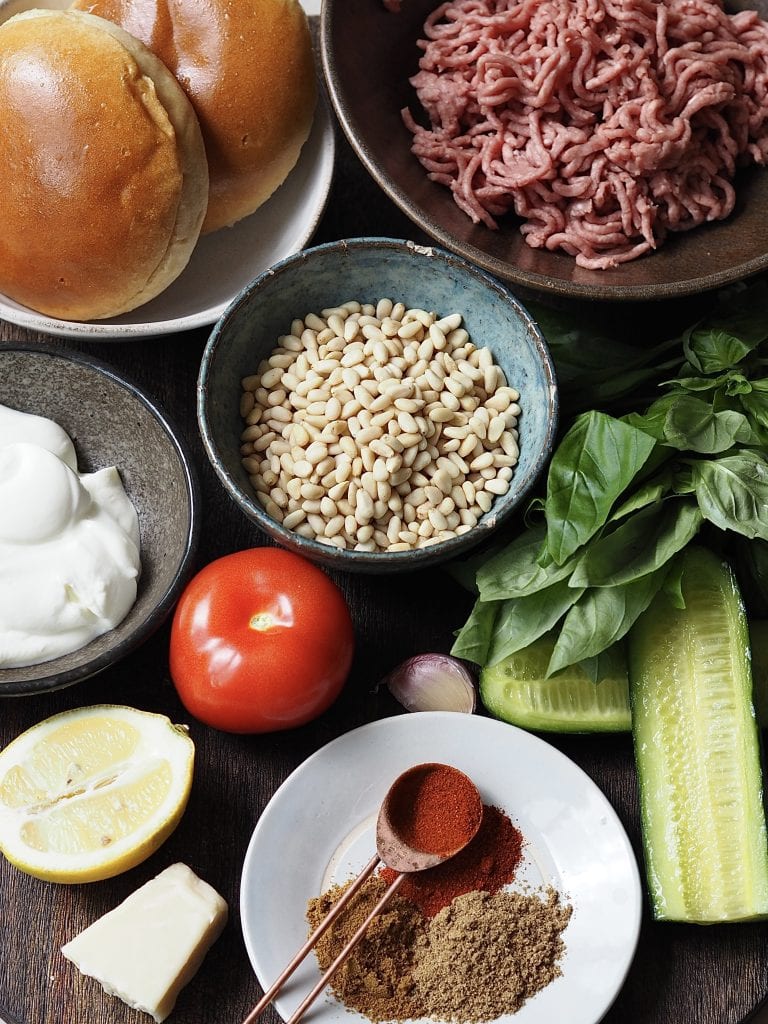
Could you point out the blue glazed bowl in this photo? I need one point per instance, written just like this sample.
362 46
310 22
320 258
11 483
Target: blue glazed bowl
368 269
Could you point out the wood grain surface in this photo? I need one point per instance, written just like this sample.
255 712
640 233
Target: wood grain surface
681 974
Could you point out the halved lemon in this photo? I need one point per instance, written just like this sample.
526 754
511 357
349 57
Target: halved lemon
92 792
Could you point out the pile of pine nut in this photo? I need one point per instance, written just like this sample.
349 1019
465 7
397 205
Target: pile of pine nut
378 428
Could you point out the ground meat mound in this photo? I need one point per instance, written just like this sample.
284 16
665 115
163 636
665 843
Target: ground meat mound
604 124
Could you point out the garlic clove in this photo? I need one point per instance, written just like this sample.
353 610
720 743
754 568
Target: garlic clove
433 682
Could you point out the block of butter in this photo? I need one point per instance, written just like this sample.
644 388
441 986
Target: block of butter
148 948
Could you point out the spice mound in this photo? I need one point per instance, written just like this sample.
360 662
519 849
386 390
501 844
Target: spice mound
480 957
435 809
489 862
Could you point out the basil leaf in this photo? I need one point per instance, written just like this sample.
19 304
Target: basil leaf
517 572
640 545
736 327
683 480
535 514
591 667
647 494
522 620
474 638
465 570
732 492
654 420
673 583
596 460
756 405
577 349
608 664
737 384
692 425
594 668
601 617
714 350
700 383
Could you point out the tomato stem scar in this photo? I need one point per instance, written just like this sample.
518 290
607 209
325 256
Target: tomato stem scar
262 621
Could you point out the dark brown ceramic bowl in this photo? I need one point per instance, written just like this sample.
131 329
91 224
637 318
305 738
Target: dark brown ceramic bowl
368 56
111 424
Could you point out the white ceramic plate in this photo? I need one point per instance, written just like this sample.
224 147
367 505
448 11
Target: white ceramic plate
319 829
223 262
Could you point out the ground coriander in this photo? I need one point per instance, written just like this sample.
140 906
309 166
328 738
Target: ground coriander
487 953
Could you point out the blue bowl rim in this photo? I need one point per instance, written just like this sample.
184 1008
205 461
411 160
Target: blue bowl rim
58 680
361 561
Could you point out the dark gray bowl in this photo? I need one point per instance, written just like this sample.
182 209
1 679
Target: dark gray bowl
111 423
368 57
368 269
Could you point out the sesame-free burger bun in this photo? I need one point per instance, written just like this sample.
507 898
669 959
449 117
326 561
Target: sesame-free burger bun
104 182
248 69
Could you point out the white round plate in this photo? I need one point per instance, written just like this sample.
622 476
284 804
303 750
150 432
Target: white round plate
223 262
319 829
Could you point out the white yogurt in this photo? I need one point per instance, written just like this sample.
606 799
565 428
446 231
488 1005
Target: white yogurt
69 544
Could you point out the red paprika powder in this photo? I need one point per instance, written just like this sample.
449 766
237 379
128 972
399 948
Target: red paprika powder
435 809
489 862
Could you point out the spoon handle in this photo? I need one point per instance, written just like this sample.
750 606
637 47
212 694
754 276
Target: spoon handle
327 921
307 1002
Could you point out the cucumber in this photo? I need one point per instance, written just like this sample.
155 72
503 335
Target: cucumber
697 751
517 691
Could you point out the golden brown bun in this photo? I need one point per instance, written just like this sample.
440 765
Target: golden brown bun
102 165
247 67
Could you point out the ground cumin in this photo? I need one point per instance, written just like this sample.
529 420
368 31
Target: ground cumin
477 959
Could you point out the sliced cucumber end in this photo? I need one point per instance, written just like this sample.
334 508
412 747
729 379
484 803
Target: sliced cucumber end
516 690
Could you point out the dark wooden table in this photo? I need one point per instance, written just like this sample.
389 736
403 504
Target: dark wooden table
681 974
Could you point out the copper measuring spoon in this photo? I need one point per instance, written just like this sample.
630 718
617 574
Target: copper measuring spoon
392 849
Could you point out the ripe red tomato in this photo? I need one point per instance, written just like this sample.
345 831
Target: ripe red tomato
261 640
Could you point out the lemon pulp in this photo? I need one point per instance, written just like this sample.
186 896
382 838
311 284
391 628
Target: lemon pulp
92 792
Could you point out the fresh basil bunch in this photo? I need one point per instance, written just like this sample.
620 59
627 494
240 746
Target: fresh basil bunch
626 494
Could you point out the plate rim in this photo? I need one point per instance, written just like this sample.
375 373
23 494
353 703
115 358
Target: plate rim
635 907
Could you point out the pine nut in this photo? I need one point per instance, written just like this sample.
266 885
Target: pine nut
411 405
281 414
484 500
364 507
293 519
509 444
434 495
497 486
378 428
